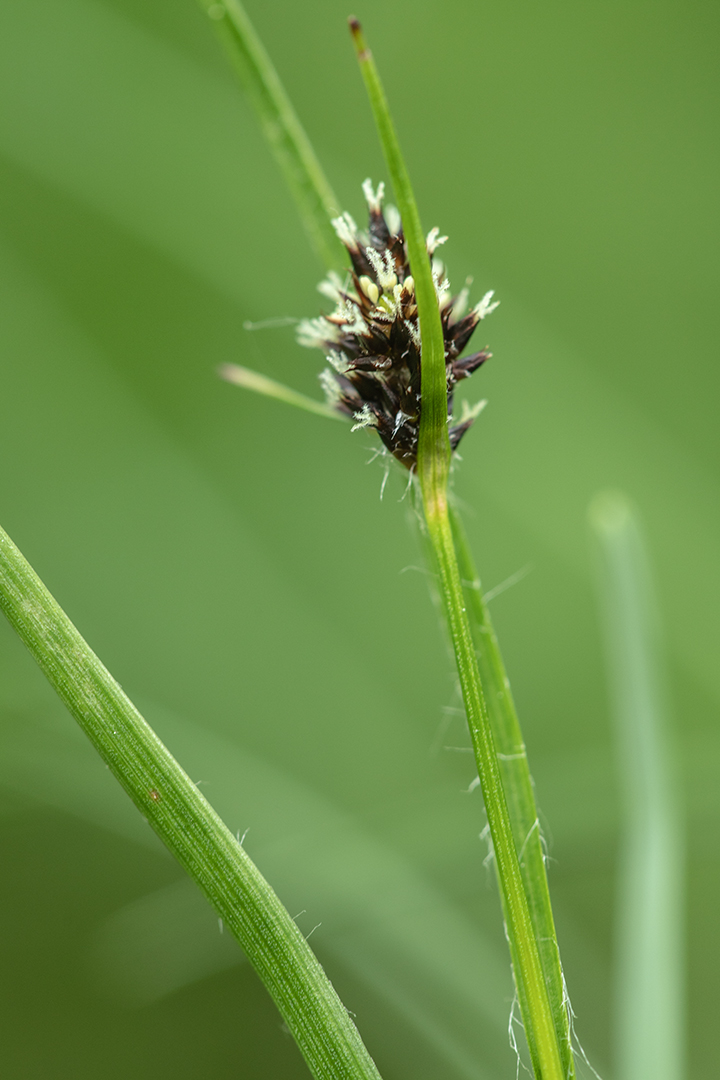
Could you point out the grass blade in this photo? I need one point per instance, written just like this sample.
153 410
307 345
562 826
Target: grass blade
518 785
261 384
649 995
434 451
187 824
433 469
293 151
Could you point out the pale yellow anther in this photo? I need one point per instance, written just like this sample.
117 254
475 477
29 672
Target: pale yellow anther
370 289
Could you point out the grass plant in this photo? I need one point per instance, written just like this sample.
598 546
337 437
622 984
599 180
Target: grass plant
216 860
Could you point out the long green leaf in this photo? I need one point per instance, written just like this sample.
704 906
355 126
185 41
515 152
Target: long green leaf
433 467
649 983
434 450
293 151
187 824
518 785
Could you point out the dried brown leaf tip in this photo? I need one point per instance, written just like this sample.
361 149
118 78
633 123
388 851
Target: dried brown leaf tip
372 338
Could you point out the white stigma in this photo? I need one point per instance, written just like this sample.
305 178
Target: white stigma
330 386
365 418
384 267
351 316
333 287
461 300
434 240
373 198
392 219
339 361
468 413
346 230
442 285
414 332
485 307
315 333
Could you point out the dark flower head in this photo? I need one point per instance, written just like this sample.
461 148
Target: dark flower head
372 338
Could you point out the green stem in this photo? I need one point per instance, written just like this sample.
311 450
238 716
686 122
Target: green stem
434 457
535 1005
261 384
517 784
287 138
433 470
187 824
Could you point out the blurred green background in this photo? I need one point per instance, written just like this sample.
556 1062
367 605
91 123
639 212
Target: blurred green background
233 565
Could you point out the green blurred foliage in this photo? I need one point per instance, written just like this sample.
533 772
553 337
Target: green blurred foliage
231 561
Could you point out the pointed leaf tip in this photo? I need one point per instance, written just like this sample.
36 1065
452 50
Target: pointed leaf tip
358 38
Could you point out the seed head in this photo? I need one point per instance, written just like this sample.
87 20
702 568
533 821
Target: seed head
372 339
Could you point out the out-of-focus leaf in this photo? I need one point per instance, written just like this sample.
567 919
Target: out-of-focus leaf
650 977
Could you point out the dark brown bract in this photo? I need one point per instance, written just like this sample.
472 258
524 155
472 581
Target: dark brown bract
372 338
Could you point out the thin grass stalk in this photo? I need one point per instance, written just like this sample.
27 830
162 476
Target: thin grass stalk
261 384
649 978
290 145
433 472
517 784
187 825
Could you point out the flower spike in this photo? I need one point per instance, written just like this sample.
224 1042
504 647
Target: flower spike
372 338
